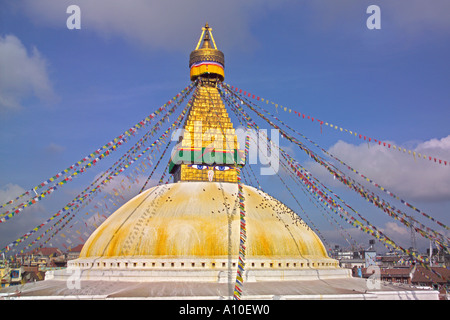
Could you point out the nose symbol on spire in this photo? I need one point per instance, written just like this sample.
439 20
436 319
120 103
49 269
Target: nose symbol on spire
210 175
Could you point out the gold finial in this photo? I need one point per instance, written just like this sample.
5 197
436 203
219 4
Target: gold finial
206 59
206 37
206 42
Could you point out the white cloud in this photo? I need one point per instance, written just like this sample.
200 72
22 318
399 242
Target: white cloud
394 228
157 24
10 191
54 148
436 146
401 235
22 222
408 177
22 74
175 24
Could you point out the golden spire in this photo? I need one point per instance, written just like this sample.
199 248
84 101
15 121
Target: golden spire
208 149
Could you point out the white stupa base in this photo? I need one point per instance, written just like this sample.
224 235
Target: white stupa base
215 270
329 289
199 279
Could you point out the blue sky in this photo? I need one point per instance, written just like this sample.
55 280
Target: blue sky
64 93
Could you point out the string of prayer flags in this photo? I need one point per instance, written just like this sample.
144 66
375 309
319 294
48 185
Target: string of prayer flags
353 184
10 213
108 146
108 178
353 133
387 242
125 166
320 193
327 201
245 118
242 231
178 122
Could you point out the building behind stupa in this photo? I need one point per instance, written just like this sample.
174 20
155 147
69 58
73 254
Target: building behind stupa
181 240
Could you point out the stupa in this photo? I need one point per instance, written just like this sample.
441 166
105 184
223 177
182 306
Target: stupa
181 240
189 230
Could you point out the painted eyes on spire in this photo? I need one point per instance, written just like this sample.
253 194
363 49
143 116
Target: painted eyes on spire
199 166
222 168
204 167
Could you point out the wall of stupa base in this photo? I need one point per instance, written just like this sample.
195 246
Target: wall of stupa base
198 269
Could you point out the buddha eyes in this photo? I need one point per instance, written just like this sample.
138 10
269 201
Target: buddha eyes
204 167
199 166
221 168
